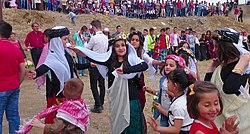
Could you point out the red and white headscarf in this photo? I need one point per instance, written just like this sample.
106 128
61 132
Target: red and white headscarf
180 61
72 111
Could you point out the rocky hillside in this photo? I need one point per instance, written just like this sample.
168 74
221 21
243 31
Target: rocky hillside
22 19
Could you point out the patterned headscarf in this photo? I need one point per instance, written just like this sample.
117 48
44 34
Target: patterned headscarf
180 61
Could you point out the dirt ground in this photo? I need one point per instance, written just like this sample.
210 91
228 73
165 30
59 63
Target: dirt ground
32 101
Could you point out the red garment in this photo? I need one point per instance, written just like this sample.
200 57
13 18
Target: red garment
191 5
198 126
156 52
34 39
10 57
163 42
49 119
236 11
178 4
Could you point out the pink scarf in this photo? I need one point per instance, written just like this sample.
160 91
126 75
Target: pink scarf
41 80
72 111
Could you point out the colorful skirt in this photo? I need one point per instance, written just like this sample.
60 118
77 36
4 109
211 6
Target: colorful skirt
136 125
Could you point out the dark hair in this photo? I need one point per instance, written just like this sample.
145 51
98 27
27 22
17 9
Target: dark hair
175 27
140 50
84 28
199 88
151 29
182 79
114 57
97 24
182 43
163 29
32 25
118 26
226 51
46 32
132 29
145 30
167 28
5 29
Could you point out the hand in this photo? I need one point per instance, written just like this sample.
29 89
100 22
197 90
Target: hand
244 60
37 123
119 70
215 62
224 131
230 124
159 107
148 89
31 74
85 38
92 64
152 122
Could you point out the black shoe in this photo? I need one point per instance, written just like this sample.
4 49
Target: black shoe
96 109
102 107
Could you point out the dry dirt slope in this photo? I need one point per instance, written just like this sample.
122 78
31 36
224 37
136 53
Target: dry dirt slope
21 20
31 101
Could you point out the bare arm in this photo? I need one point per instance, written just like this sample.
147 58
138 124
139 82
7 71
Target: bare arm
22 72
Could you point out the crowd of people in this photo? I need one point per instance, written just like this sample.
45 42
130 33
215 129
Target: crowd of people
185 103
129 8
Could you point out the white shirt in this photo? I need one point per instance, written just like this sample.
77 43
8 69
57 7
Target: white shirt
98 43
165 100
175 40
145 47
178 110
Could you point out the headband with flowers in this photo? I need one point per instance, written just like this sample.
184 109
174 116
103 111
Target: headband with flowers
180 61
187 51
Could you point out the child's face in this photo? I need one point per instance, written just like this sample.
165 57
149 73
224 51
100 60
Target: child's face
208 106
120 48
170 65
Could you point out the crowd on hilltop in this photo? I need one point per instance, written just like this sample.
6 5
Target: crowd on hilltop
129 8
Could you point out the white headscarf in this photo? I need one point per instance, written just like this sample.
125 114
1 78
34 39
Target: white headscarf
57 61
133 59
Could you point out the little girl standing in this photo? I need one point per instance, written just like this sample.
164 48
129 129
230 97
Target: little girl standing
204 105
179 120
172 62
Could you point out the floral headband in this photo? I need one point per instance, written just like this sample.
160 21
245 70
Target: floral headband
116 38
186 51
180 61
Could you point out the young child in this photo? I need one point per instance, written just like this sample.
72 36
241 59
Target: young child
72 115
204 105
72 16
179 120
157 53
172 62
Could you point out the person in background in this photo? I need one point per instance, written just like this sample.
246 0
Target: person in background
145 44
79 41
16 43
98 43
34 42
107 32
72 17
118 31
151 41
12 74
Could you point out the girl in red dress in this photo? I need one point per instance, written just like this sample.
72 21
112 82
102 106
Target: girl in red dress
204 105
